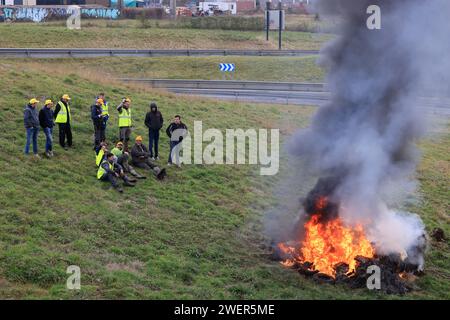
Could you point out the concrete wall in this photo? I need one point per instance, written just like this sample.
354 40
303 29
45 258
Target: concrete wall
39 14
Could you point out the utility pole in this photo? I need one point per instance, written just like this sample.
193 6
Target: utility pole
173 8
280 21
267 19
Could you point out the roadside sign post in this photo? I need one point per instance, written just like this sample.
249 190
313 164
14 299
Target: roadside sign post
267 20
280 23
227 68
275 20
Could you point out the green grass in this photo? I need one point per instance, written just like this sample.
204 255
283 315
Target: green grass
197 235
296 69
129 34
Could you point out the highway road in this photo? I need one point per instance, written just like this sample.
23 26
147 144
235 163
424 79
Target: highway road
313 94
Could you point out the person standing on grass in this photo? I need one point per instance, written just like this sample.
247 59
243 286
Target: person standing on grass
124 110
176 131
47 123
154 122
97 120
31 122
62 118
105 113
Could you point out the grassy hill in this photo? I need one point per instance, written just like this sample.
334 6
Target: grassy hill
295 69
131 34
197 235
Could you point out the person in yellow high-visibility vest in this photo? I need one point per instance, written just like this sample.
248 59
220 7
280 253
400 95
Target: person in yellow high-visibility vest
111 171
105 113
62 118
125 122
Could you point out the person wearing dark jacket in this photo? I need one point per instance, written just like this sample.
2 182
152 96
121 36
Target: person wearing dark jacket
141 159
154 122
31 123
97 120
109 170
47 123
176 131
63 117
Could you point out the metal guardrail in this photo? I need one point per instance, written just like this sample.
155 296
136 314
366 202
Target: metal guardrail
230 85
96 52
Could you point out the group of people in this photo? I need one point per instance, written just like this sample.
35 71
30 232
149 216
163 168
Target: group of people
118 162
47 118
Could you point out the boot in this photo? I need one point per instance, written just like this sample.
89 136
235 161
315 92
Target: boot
119 188
127 182
130 179
137 175
160 173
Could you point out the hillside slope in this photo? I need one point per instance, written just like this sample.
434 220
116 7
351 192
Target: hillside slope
196 235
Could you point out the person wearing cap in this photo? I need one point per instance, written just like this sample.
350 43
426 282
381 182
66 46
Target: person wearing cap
105 110
97 120
123 158
154 122
31 122
100 153
124 110
141 159
47 123
111 171
62 118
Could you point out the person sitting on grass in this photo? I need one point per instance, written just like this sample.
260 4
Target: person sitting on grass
122 157
111 171
100 153
141 159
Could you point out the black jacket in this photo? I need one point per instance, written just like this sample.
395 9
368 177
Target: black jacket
154 120
139 151
46 118
96 115
30 117
173 126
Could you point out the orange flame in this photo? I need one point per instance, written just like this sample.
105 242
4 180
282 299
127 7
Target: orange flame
326 244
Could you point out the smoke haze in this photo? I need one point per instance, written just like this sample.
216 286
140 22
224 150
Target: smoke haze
365 137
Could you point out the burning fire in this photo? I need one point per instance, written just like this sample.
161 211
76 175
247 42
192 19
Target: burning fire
328 243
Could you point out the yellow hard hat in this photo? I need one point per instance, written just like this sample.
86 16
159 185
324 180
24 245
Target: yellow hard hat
48 101
127 100
34 100
99 100
66 96
139 138
120 143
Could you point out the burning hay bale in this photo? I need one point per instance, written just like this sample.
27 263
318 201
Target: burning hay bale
333 253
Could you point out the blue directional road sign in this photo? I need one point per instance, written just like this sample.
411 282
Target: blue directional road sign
227 67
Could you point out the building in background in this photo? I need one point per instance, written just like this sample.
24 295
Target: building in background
233 6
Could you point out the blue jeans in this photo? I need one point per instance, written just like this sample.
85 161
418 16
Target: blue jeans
48 139
153 138
173 144
32 134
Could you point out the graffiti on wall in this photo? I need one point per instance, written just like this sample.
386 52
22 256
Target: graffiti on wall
40 14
